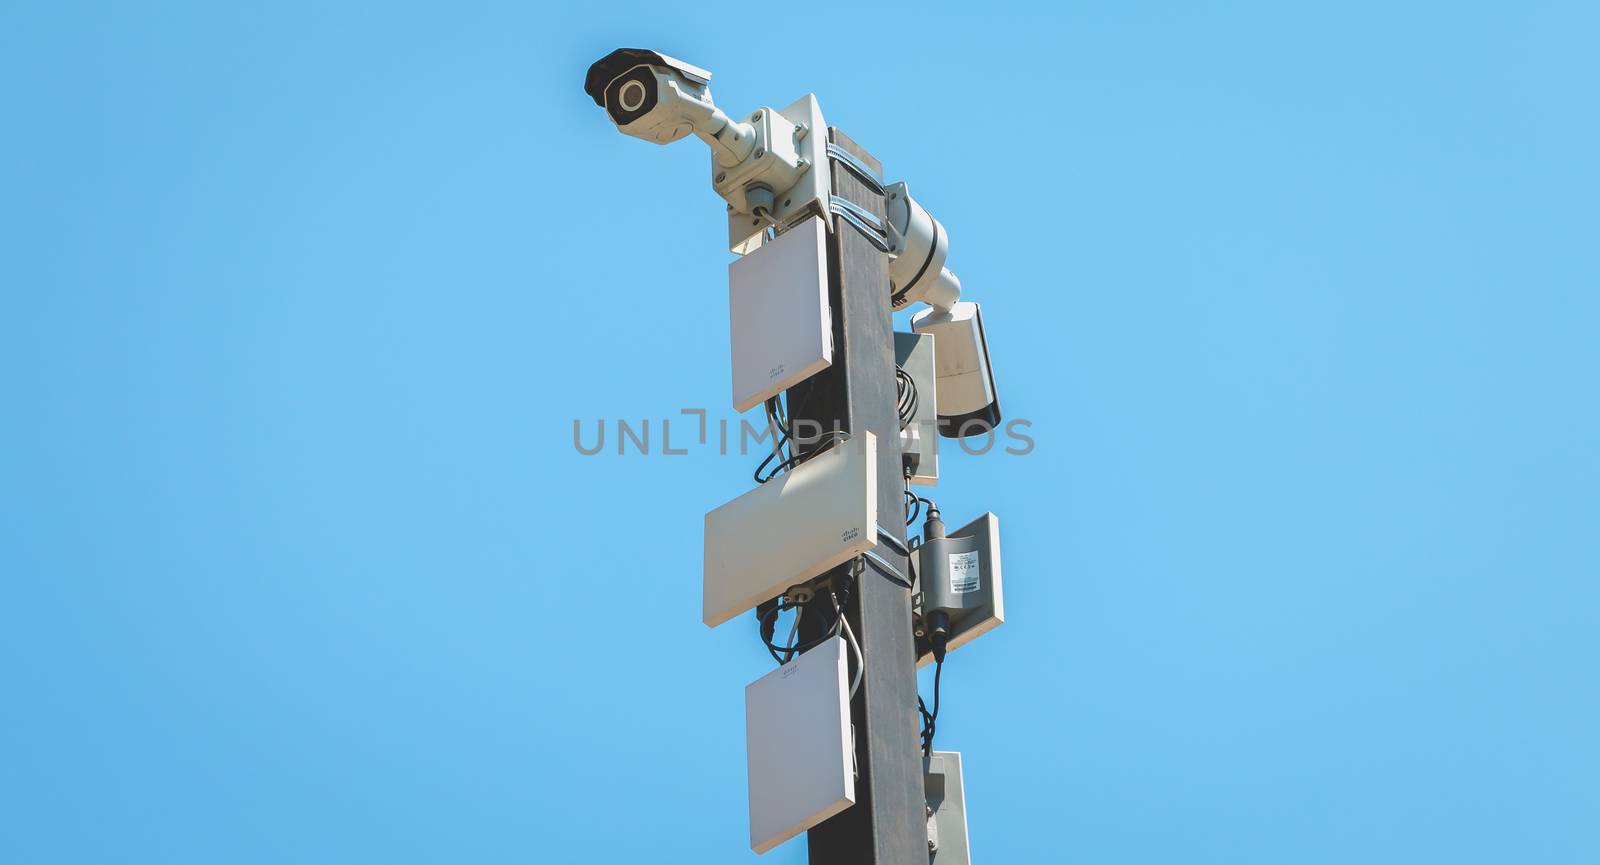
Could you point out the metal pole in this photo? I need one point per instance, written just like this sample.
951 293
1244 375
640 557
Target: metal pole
888 823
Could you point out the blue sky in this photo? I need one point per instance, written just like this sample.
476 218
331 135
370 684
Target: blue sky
298 562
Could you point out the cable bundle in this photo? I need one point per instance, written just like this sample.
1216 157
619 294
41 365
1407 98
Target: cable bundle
915 502
783 443
905 388
840 626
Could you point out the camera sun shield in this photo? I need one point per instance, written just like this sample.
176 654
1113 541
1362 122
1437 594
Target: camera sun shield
605 70
968 401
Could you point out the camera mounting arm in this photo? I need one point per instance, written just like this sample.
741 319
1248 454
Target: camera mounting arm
731 141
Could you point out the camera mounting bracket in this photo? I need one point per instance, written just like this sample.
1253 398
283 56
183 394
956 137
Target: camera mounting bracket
810 192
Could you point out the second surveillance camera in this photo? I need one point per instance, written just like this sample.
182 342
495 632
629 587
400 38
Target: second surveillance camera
918 246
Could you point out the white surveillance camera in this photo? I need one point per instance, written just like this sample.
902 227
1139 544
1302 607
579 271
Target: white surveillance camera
661 99
968 402
770 167
918 245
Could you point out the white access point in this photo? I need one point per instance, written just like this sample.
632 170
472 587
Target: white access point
798 745
792 528
781 327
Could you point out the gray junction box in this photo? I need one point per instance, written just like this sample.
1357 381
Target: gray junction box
959 574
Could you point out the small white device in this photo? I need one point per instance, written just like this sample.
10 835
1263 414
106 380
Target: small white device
959 596
914 353
798 745
947 809
781 326
822 513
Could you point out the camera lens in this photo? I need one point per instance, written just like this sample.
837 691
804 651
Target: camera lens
631 95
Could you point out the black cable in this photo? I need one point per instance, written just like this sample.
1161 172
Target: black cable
906 400
938 644
930 719
789 651
790 463
783 448
779 426
769 619
914 502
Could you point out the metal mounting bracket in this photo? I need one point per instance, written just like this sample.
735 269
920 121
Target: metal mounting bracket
856 167
888 570
809 194
865 221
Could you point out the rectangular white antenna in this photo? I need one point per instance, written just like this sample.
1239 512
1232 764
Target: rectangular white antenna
798 742
792 528
781 329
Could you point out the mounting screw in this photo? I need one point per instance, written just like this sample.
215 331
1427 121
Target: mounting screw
756 116
760 152
721 176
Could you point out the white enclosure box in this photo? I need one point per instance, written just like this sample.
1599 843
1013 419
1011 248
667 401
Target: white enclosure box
781 329
947 809
798 744
914 353
792 528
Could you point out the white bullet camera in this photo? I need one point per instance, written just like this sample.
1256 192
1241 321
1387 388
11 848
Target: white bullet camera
764 166
662 99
